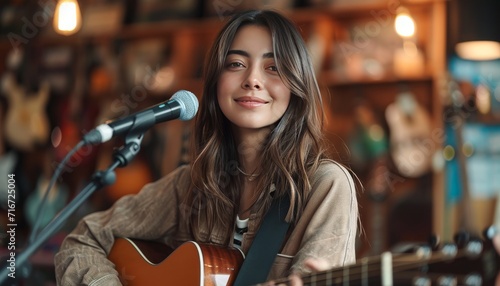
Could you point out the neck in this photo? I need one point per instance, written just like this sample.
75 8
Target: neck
249 147
249 160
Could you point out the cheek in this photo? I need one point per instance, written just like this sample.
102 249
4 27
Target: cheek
224 85
221 95
283 96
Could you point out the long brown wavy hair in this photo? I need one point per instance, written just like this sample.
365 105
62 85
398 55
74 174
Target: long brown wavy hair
290 153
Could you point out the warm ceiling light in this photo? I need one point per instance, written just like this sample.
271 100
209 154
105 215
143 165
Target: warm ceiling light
404 24
478 50
67 17
475 29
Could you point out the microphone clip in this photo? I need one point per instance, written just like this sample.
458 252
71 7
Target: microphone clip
127 152
142 122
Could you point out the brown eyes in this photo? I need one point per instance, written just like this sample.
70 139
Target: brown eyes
273 68
235 65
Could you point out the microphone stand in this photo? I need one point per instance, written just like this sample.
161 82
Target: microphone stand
100 179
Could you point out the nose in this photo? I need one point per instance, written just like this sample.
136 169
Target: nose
253 80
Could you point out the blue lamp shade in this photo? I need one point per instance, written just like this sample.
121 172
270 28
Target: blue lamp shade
475 28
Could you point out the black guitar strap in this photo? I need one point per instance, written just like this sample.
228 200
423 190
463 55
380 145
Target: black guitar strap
266 244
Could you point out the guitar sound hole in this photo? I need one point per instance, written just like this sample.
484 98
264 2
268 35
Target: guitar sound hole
156 252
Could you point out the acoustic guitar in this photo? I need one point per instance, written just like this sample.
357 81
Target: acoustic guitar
193 264
410 125
143 263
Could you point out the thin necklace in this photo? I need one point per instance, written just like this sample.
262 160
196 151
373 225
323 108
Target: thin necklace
250 177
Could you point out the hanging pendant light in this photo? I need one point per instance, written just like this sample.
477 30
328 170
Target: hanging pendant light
67 17
475 29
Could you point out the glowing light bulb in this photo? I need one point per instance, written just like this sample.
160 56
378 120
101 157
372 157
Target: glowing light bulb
404 24
67 17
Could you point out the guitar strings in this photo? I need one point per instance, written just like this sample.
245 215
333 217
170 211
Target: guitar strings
434 277
370 268
403 263
355 272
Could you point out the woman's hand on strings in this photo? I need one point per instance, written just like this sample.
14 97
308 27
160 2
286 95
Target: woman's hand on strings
313 264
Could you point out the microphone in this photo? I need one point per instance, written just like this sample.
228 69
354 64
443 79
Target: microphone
182 105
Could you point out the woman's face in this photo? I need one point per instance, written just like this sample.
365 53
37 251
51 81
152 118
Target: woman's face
250 92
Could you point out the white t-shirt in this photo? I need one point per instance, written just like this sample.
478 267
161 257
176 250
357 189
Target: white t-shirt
239 230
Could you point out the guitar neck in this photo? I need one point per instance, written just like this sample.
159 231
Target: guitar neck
459 266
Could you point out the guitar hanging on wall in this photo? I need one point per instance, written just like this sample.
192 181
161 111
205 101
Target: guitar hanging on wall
369 144
26 122
455 116
410 128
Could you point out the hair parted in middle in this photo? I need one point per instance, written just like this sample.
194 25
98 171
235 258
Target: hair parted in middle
289 153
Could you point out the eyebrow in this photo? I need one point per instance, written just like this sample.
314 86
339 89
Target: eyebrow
246 54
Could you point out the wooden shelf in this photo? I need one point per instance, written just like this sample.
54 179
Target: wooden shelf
333 81
171 27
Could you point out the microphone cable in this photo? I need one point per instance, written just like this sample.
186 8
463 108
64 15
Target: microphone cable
55 176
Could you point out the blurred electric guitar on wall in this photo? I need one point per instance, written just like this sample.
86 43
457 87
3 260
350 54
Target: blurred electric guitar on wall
8 162
26 123
411 145
56 200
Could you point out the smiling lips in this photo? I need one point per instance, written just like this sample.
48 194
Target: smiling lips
250 101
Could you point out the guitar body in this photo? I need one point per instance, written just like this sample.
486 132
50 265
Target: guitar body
26 123
410 125
191 264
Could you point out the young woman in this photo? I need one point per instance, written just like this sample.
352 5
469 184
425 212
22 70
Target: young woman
258 136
